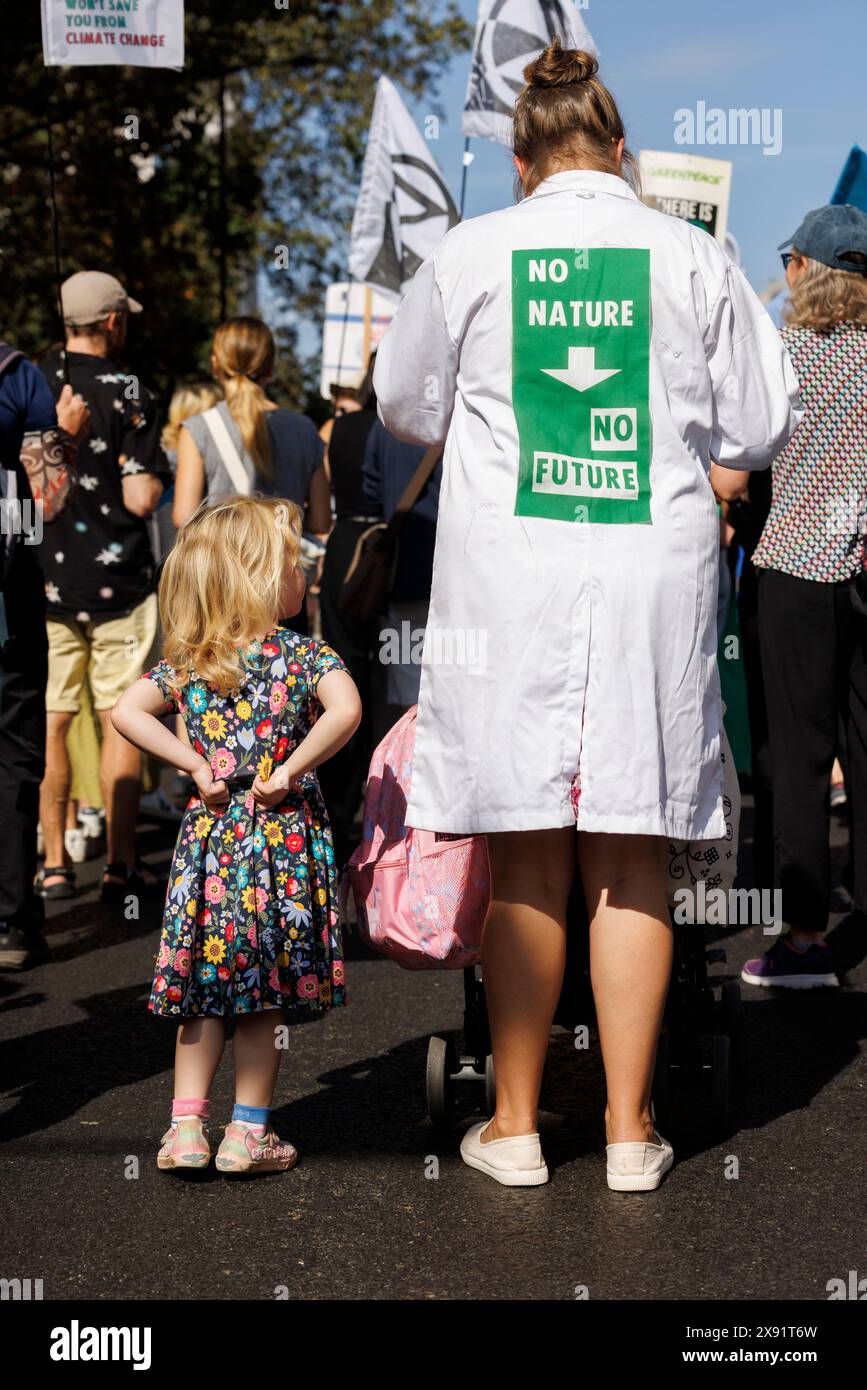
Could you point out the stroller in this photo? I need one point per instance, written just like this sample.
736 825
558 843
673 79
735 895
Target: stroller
701 1036
421 899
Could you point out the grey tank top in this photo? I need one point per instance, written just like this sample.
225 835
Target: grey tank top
296 453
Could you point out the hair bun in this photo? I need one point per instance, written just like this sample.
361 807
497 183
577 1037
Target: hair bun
560 67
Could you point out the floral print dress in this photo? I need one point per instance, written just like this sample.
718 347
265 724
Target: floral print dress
251 918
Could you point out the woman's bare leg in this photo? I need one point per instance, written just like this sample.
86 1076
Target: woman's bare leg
523 955
630 966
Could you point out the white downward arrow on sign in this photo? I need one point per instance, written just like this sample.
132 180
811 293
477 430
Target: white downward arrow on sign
582 372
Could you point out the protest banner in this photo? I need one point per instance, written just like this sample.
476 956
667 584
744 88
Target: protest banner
509 35
141 33
404 207
688 186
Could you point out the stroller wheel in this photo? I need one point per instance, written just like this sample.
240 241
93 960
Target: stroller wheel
721 1083
732 1018
490 1085
439 1086
660 1104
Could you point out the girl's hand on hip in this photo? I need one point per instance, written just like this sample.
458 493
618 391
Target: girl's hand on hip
215 795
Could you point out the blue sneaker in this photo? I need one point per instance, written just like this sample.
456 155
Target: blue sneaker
785 967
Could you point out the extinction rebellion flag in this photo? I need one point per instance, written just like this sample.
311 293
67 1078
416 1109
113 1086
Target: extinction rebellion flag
404 208
509 35
143 33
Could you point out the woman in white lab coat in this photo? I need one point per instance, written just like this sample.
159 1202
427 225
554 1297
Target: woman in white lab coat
583 358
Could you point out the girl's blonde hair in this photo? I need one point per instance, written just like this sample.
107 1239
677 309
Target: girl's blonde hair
565 118
220 585
186 401
823 297
244 357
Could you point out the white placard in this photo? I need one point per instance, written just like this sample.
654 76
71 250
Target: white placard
356 316
688 186
142 33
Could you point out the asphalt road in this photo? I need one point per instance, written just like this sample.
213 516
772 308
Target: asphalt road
86 1080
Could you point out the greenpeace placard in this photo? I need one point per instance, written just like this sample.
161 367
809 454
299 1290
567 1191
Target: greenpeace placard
142 33
688 186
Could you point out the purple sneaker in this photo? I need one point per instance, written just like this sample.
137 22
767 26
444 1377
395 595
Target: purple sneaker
784 967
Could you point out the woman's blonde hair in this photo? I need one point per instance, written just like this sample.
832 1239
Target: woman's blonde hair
565 118
244 358
823 297
188 400
220 585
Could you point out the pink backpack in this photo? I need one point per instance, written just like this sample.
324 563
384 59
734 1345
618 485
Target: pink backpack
421 899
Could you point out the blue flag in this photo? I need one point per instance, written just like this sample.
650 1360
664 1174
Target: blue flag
852 183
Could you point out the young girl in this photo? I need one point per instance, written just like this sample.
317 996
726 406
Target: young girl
251 923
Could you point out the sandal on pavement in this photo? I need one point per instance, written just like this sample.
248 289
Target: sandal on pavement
185 1145
242 1151
133 882
66 889
515 1162
637 1166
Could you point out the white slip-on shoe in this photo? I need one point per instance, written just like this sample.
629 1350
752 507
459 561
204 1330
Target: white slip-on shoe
637 1167
515 1162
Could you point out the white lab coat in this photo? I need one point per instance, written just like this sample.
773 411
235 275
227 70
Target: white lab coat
568 662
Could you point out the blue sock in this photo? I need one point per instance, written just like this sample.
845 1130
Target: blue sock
251 1114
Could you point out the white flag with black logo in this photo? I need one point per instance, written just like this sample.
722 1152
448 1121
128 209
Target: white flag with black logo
404 208
509 35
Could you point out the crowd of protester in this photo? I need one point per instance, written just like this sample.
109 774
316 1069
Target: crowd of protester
83 435
79 611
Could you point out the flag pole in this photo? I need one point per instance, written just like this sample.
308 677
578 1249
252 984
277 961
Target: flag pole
468 159
221 164
349 284
55 235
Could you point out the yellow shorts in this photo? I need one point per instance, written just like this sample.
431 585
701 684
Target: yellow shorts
111 654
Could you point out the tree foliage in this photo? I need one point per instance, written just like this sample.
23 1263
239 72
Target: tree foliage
141 197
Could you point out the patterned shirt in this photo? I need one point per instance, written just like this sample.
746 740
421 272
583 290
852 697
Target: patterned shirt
818 517
96 557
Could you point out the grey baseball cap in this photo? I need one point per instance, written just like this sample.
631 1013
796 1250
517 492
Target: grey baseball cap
831 234
91 295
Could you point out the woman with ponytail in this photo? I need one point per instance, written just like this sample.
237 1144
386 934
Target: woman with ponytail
248 444
583 358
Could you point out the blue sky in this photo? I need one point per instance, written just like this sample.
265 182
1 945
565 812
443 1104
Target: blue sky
802 56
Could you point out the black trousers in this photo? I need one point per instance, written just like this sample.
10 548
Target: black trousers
23 678
757 715
342 778
814 664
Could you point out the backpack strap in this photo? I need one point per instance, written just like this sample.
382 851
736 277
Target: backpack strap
416 485
8 355
229 455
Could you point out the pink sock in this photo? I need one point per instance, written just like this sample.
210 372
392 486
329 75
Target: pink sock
182 1108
